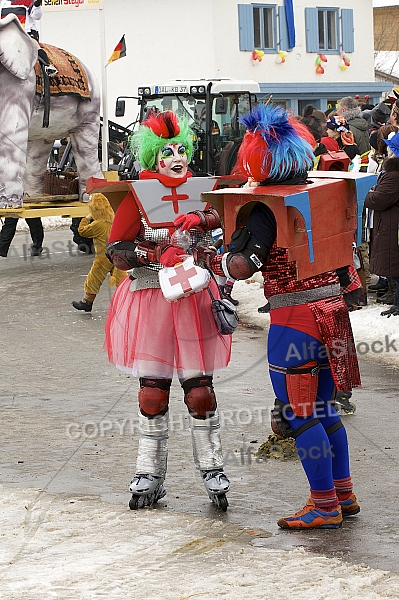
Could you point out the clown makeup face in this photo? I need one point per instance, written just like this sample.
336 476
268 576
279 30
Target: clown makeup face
172 160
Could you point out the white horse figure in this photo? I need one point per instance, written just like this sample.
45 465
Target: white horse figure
24 144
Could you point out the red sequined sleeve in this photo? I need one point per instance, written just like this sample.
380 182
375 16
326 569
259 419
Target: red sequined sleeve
126 224
217 265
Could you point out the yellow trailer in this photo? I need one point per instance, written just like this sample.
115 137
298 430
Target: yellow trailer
53 206
48 206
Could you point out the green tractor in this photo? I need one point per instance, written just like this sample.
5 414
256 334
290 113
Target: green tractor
212 108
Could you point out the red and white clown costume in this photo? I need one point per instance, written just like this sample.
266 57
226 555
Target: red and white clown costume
153 338
311 351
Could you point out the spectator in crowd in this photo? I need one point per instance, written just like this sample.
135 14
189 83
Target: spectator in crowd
379 150
327 140
338 129
330 111
349 109
311 111
384 201
315 128
8 231
394 116
376 118
384 286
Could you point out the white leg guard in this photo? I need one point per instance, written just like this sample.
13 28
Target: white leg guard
147 485
208 458
153 445
207 446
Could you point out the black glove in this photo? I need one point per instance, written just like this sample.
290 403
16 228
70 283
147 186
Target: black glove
37 3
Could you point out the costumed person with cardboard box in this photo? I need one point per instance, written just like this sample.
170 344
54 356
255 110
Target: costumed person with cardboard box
310 342
156 337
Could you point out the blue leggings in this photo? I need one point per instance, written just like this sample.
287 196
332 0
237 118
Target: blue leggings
324 455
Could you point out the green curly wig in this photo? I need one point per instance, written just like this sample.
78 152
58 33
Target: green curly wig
156 132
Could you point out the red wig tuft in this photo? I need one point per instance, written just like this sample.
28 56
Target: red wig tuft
164 124
254 147
303 131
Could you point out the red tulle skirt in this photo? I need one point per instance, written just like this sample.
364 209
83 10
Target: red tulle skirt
148 336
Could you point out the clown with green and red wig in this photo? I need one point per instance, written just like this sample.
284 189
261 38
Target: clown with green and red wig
156 339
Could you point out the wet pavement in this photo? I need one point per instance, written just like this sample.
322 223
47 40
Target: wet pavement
69 419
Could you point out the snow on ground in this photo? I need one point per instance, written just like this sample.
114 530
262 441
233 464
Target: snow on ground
49 223
80 548
52 547
376 337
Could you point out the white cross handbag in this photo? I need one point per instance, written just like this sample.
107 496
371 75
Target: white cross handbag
183 279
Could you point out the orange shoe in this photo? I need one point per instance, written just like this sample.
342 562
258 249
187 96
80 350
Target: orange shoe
349 507
311 517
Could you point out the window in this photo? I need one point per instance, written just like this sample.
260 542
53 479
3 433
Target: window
328 34
230 128
263 27
282 103
329 30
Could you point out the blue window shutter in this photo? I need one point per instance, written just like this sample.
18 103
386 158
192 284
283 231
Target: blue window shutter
283 29
348 44
246 26
312 30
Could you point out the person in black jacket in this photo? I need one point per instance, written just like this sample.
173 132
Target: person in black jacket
384 200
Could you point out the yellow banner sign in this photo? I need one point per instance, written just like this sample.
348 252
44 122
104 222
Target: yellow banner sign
53 5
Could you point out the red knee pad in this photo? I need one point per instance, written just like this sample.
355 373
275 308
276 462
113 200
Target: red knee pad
302 382
154 396
199 397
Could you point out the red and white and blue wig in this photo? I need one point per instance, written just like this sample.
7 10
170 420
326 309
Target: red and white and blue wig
276 146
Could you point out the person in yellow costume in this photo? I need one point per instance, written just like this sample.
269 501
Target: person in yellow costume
97 225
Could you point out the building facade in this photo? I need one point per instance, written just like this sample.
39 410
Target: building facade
311 51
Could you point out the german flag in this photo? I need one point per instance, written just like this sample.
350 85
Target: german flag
119 52
27 3
18 11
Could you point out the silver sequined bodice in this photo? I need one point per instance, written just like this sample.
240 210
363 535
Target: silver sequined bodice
147 277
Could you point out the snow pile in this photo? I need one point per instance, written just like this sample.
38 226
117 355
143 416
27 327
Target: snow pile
49 224
82 548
